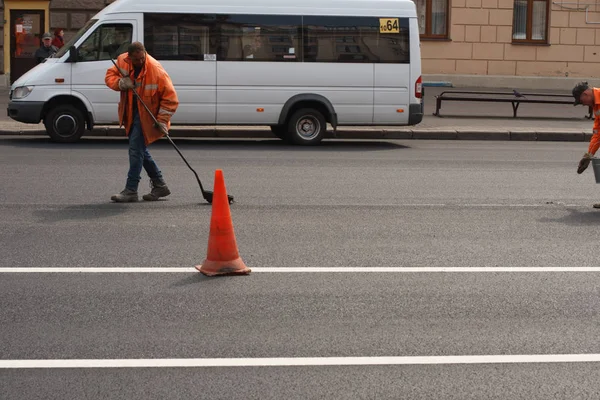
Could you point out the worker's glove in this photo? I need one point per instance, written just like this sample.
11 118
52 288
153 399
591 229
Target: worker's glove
162 127
584 163
126 83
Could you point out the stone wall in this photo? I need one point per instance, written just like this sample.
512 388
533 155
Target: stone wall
481 42
71 15
2 41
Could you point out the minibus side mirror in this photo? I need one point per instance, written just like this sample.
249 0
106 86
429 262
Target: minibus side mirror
73 55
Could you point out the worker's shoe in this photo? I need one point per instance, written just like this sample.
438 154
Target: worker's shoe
159 189
597 205
126 196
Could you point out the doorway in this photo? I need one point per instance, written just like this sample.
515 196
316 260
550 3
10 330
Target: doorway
26 30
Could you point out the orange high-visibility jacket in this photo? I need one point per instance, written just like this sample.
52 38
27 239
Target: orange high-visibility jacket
154 87
595 141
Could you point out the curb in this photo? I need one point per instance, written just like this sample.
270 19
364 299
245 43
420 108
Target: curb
556 136
350 133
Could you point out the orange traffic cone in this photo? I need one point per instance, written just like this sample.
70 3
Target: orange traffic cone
223 257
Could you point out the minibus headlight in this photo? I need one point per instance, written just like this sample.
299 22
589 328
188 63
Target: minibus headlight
21 92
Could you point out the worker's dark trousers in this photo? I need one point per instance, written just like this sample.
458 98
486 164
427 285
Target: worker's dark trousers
139 157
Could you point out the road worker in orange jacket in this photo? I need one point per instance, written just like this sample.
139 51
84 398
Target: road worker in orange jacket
144 74
589 96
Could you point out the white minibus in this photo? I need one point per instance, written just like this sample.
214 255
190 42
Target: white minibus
296 66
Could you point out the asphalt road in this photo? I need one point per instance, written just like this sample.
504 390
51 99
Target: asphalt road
363 204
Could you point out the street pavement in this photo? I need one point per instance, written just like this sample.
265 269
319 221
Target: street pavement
445 219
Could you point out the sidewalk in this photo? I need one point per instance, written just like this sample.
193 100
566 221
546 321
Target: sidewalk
459 121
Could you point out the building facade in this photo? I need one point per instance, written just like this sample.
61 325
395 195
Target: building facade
465 42
494 40
25 21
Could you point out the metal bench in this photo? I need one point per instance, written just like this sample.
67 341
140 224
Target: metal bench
504 97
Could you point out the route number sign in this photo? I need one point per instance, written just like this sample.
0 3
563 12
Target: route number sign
389 25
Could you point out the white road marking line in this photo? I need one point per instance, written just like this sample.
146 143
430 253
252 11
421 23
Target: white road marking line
490 205
300 361
422 205
144 270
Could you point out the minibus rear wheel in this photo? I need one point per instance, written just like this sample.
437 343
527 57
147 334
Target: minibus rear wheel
65 123
306 127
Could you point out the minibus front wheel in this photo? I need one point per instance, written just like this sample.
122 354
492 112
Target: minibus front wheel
65 123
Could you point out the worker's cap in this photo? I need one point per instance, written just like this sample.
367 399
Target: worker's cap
47 35
578 91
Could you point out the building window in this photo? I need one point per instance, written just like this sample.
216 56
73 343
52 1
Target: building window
433 18
530 21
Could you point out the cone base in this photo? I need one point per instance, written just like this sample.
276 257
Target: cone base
223 268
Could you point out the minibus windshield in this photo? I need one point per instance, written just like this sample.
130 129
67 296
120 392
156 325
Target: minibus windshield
63 50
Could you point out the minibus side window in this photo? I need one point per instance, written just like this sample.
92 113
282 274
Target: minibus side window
106 42
63 50
180 36
260 38
356 39
277 38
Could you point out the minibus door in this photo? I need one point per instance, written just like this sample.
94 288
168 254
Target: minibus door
93 59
